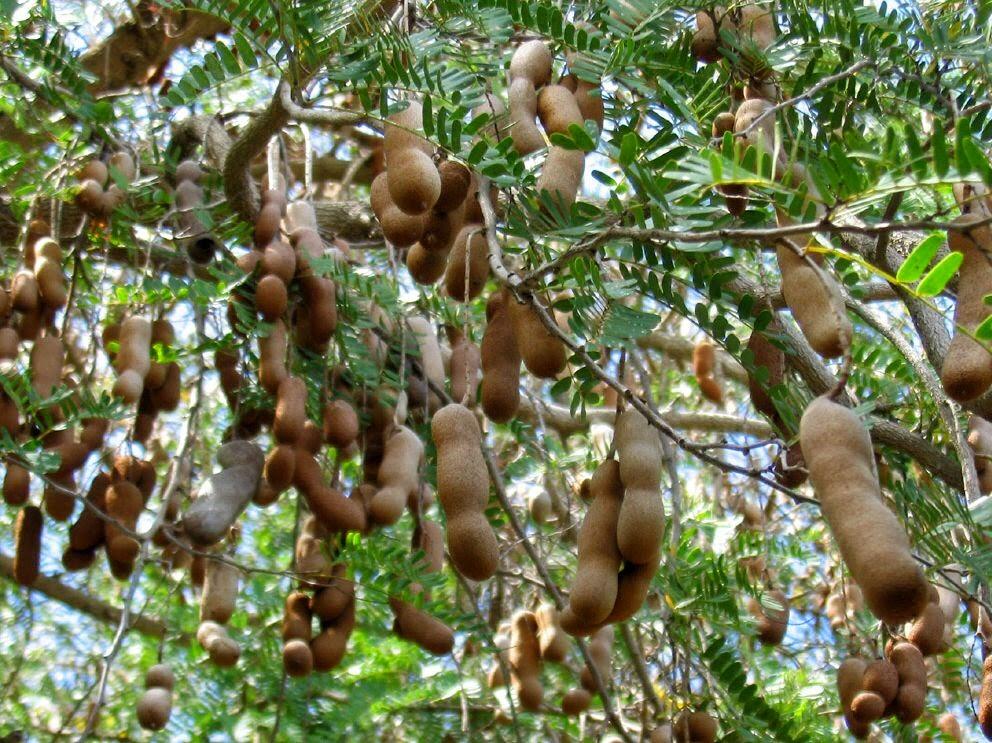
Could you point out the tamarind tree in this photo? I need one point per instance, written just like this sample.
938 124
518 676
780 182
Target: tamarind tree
495 370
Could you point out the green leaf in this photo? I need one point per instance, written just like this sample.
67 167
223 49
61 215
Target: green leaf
624 324
628 149
984 330
936 281
918 260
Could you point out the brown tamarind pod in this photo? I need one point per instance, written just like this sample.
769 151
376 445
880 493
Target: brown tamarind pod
267 224
980 441
424 266
60 504
47 357
341 425
154 708
124 505
469 246
455 182
331 601
927 632
551 637
133 359
272 357
297 621
413 180
27 540
816 303
703 366
48 273
16 485
321 309
220 592
123 164
895 588
271 297
966 371
500 357
168 394
696 727
985 699
24 292
421 628
465 364
400 132
575 702
279 467
427 536
401 229
222 497
600 648
95 170
9 343
773 621
542 352
561 176
882 678
291 412
594 590
589 99
279 259
532 60
398 475
463 489
87 532
633 584
557 108
526 136
768 356
224 652
329 646
850 675
334 511
441 228
525 661
10 416
297 658
911 697
641 523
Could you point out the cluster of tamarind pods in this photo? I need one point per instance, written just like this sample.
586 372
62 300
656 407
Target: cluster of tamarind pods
432 208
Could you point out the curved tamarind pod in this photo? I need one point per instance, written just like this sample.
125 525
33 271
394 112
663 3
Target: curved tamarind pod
225 494
532 60
220 591
27 538
561 176
838 452
525 660
500 358
398 475
421 628
524 132
641 523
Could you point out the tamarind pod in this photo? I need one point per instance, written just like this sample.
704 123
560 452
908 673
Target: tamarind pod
300 215
400 132
881 677
398 475
279 467
427 536
188 170
966 372
47 356
332 509
72 454
421 628
539 506
10 416
272 357
589 99
311 561
948 724
762 136
312 438
76 560
30 324
980 441
168 394
542 352
87 532
16 485
773 622
599 649
123 163
225 494
95 170
330 602
575 702
89 197
911 697
705 39
641 523
703 365
838 452
154 708
927 632
594 590
271 297
492 106
341 424
431 363
413 180
696 727
532 60
525 660
224 652
557 108
985 700
24 292
455 182
662 734
112 198
633 584
561 176
9 342
321 309
816 303
59 504
401 229
473 209
424 266
124 505
466 362
500 358
220 592
463 489
267 225
279 259
526 137
291 413
48 273
27 540
330 645
297 621
551 638
850 674
771 357
469 245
